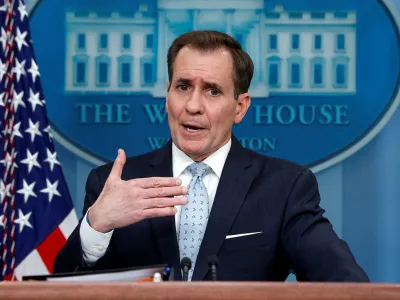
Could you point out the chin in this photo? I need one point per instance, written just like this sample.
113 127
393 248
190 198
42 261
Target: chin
193 149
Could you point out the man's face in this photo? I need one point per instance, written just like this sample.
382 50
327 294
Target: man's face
200 102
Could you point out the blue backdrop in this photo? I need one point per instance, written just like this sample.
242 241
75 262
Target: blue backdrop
360 190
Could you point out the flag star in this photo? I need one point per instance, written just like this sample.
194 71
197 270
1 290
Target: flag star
3 70
33 129
22 10
4 190
15 131
9 160
51 159
18 100
51 189
27 190
2 99
4 7
48 131
5 130
34 70
19 68
20 39
23 220
3 38
34 99
31 160
2 221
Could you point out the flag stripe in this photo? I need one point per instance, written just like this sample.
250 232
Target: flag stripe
49 248
69 223
31 265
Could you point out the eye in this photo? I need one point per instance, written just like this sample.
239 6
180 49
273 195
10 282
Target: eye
214 92
183 87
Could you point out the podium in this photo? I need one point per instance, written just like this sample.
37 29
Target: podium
197 291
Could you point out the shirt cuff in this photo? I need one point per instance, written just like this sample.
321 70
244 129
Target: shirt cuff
94 244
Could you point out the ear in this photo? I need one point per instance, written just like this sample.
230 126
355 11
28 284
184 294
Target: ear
242 105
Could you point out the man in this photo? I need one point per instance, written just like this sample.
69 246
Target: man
204 194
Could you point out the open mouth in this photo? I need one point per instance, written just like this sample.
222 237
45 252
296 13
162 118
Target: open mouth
192 128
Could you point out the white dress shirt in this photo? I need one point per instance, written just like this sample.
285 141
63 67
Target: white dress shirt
94 243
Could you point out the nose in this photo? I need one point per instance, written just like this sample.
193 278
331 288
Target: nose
194 103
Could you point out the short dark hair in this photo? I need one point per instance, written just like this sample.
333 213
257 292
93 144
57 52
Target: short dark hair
210 40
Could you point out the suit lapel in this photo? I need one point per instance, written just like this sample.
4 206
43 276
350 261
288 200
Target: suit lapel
164 228
231 192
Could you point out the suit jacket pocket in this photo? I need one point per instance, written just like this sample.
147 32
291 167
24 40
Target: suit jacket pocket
246 242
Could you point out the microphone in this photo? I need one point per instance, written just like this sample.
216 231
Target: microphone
186 265
212 264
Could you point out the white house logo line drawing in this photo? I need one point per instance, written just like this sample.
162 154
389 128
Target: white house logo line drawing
294 52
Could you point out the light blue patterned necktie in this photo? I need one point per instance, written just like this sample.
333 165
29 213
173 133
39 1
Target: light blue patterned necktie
194 215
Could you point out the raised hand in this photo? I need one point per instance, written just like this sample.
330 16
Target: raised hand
122 203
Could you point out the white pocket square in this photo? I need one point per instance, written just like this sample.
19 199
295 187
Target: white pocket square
241 234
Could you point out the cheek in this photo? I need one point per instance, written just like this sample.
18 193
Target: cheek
229 112
173 111
222 117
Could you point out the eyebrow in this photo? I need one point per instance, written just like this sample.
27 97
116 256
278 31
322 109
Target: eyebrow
182 80
207 84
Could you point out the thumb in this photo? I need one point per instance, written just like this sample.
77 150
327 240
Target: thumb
119 163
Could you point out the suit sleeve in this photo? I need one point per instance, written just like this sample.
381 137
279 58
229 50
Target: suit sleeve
70 257
315 251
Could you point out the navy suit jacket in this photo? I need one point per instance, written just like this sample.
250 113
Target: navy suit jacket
256 193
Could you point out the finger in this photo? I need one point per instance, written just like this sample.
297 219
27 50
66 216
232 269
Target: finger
163 192
165 202
155 182
159 212
118 166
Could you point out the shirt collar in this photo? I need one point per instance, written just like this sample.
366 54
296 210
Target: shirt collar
216 161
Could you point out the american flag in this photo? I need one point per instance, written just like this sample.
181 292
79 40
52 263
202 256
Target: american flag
36 211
